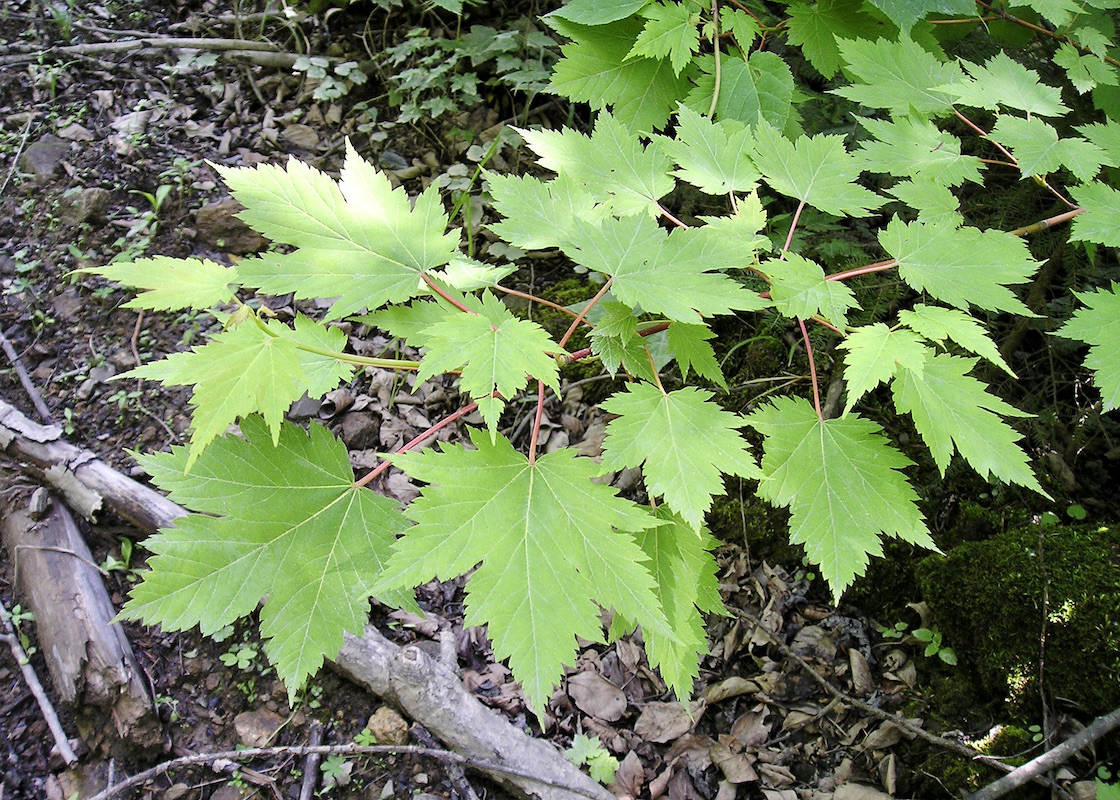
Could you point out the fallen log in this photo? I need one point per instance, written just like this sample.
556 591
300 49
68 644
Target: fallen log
428 691
90 660
85 482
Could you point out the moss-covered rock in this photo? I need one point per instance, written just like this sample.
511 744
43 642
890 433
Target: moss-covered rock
988 600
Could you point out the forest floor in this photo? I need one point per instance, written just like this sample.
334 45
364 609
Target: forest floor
107 154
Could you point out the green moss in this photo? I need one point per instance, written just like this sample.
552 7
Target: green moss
988 597
743 517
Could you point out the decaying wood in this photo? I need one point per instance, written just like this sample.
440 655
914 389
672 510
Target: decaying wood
427 691
90 660
431 693
86 482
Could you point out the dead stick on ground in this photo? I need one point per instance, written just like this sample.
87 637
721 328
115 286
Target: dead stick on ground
1100 727
36 688
902 724
297 750
25 379
311 763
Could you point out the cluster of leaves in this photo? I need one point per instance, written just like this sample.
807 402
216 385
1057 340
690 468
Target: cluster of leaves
429 76
553 546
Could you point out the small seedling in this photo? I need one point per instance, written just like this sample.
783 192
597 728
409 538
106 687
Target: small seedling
365 738
336 772
242 656
932 640
600 764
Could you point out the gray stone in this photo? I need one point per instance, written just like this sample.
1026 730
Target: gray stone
42 158
256 728
84 205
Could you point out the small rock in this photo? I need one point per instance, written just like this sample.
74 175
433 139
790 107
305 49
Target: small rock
84 205
218 229
256 728
176 791
42 158
230 792
388 727
76 133
67 305
360 430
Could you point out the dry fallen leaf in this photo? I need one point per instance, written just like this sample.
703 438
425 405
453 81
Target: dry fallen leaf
595 695
663 722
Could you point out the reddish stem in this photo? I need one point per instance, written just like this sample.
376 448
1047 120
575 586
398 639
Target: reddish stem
443 423
537 423
583 312
812 369
878 266
534 299
665 213
793 227
1049 222
435 287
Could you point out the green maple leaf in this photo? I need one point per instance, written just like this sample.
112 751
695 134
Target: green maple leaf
594 12
1002 81
1087 71
815 28
616 342
875 354
898 76
1106 136
1098 325
670 274
409 322
934 202
683 442
251 369
360 240
612 164
817 170
552 544
751 89
951 408
540 214
1059 12
1101 221
842 482
1037 148
712 156
961 266
281 521
904 13
173 284
594 69
670 31
799 289
741 25
915 147
688 344
496 352
938 324
684 573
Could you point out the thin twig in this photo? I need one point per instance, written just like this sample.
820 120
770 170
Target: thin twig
19 152
25 380
217 759
36 688
1032 770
